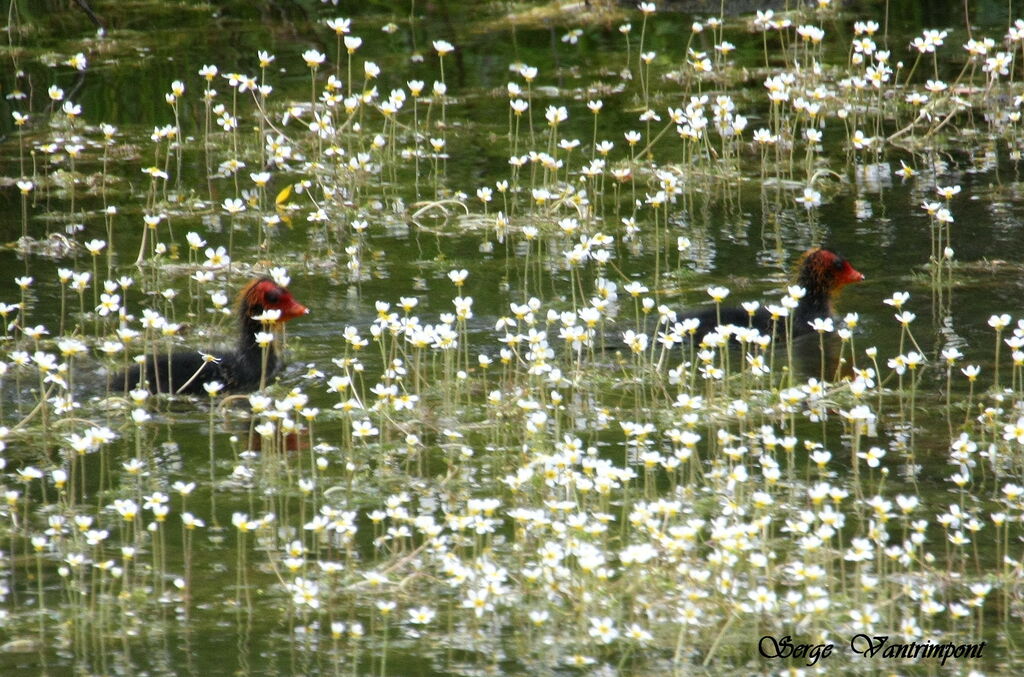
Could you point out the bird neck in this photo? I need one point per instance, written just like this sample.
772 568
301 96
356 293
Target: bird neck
813 307
817 301
248 350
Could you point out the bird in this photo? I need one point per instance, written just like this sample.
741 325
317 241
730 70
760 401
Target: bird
821 273
239 370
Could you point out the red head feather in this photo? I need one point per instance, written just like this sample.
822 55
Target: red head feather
265 294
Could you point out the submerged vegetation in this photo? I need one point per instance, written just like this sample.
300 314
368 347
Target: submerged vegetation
501 444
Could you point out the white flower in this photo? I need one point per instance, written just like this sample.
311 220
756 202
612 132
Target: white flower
718 293
422 615
314 58
340 26
604 629
234 206
999 322
897 299
216 258
822 325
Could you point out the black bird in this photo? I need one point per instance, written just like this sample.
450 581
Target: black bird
822 273
239 370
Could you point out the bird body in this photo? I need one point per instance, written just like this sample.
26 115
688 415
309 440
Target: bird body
821 274
260 303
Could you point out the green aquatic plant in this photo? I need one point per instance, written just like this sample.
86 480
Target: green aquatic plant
554 466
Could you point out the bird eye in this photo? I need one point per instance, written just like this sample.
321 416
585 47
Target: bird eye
272 296
838 264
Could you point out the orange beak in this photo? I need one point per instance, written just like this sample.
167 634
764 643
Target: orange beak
850 274
290 309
